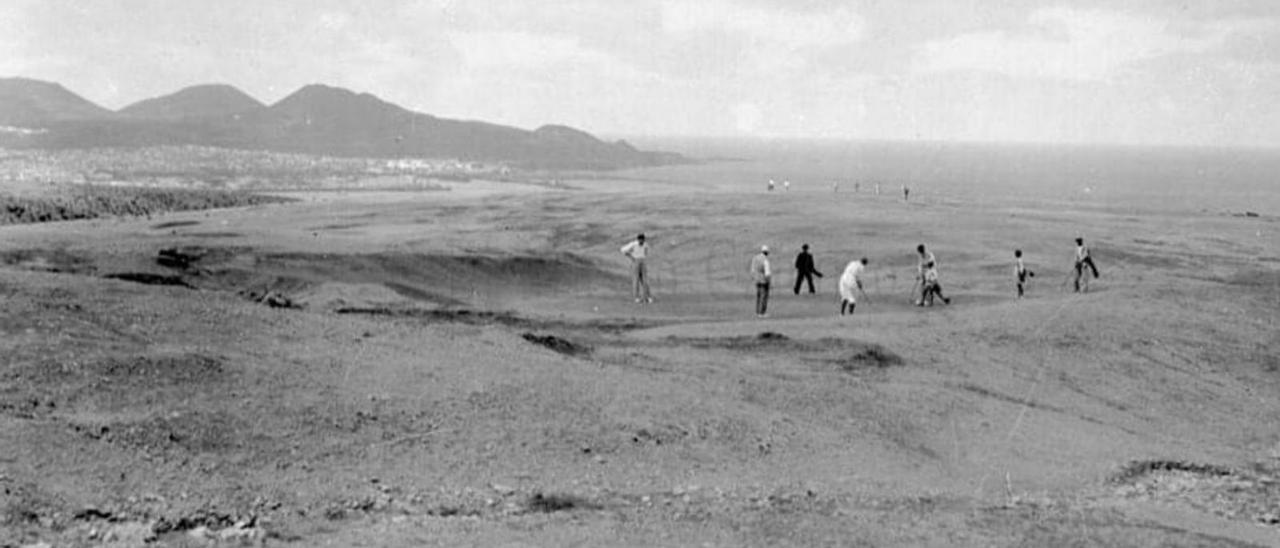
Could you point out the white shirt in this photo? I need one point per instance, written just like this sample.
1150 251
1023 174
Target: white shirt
760 270
927 263
852 272
849 280
636 249
1082 253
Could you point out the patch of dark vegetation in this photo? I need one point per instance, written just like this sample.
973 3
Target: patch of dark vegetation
769 340
451 511
1007 398
1139 468
489 317
181 368
216 234
96 202
660 435
148 278
180 257
173 224
50 260
549 503
339 226
557 344
212 519
273 299
872 356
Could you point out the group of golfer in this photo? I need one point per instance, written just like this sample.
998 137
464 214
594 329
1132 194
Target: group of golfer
926 290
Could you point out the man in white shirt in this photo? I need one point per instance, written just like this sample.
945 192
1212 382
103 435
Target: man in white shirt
762 275
850 284
637 250
1083 259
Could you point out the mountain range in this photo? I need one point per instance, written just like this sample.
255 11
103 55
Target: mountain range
316 119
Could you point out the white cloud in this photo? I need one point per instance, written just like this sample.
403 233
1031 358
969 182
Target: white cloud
515 49
333 20
781 27
1066 44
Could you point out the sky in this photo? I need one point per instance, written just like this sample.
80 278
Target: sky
1142 72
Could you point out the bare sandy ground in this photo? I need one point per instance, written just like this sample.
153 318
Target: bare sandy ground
467 368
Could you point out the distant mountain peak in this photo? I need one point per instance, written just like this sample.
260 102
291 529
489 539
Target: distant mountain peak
560 132
334 101
200 101
25 102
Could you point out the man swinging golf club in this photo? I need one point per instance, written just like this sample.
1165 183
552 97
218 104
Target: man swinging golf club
850 284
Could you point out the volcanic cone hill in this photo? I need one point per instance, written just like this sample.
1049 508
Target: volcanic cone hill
316 119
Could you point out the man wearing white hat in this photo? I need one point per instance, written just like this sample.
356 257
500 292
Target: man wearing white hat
761 274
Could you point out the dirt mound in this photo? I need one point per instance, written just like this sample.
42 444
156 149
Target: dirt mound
1236 494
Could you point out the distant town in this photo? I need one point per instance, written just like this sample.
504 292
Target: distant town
190 166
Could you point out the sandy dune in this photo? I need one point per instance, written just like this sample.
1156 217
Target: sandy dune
401 404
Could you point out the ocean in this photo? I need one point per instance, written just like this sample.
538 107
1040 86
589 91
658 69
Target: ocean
1156 178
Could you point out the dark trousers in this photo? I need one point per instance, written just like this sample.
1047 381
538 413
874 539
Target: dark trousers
802 277
762 298
1080 266
931 290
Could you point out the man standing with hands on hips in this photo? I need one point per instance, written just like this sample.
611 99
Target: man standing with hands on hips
637 251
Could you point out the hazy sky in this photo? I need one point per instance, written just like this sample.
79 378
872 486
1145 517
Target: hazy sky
1142 71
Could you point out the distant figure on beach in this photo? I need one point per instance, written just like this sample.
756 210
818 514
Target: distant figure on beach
927 274
906 193
835 186
857 187
1020 272
1083 259
637 251
877 189
786 185
805 269
770 185
850 284
761 275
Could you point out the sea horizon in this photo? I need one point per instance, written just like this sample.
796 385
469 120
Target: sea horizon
1236 179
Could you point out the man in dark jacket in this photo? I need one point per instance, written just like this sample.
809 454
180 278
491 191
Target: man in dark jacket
805 269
